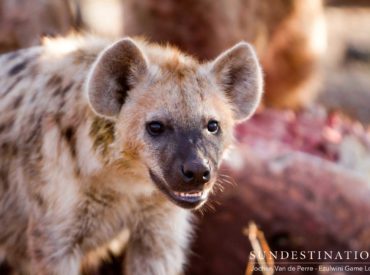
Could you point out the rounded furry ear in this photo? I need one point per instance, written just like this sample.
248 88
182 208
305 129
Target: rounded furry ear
239 75
117 70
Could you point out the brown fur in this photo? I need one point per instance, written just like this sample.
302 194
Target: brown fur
78 164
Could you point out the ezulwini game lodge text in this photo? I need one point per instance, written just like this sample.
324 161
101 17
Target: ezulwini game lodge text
312 255
309 268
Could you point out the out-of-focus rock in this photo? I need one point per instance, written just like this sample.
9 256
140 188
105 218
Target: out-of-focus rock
24 22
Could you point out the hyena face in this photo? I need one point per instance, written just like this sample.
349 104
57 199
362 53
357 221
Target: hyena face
173 115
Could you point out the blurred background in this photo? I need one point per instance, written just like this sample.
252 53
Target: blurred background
301 167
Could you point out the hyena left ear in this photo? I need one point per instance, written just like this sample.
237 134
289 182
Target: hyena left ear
239 75
117 70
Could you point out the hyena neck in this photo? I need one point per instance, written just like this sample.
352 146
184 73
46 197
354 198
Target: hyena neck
101 132
102 135
118 172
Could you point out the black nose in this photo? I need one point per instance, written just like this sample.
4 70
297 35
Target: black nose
196 172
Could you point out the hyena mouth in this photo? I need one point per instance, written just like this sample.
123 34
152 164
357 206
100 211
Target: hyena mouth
191 197
188 199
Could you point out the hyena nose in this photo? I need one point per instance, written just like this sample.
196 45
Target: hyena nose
196 172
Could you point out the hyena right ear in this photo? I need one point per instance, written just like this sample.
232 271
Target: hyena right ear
116 71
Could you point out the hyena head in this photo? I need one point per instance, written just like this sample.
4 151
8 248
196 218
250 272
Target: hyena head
173 116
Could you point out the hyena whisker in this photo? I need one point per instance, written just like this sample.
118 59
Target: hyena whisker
210 206
218 186
228 179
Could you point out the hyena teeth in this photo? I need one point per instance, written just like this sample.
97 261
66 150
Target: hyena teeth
192 195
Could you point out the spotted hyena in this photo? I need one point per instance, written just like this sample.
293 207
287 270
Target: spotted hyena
99 137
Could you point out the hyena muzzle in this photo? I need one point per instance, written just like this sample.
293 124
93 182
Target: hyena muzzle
97 138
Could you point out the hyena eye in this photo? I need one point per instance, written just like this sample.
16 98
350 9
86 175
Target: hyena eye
155 128
213 126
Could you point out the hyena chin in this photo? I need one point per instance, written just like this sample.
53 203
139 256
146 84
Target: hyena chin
98 138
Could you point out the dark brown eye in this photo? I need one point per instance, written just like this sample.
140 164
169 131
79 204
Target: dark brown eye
213 126
155 128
